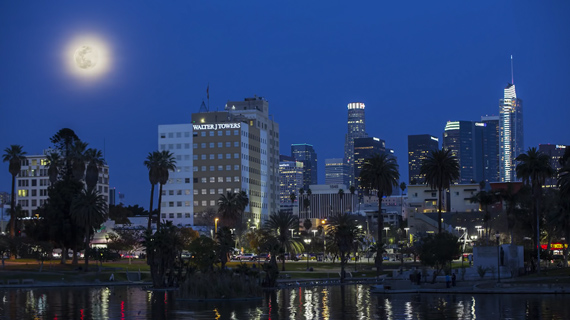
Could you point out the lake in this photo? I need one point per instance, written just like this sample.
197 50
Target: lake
333 302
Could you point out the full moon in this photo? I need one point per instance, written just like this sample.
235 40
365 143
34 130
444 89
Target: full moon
86 57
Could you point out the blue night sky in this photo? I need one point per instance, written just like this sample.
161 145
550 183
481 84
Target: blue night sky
415 64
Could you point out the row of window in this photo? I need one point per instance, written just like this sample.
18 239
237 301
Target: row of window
178 215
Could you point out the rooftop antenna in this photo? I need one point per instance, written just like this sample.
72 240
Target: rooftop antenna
512 75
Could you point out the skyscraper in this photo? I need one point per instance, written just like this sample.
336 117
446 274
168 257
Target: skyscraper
365 148
419 147
490 148
356 129
511 133
464 139
335 171
290 180
306 154
554 152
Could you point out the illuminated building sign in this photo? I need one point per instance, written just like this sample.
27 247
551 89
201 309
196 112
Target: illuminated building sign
216 126
554 246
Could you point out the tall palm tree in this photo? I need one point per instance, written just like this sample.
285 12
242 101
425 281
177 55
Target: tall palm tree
511 198
230 208
166 164
402 187
152 163
279 225
534 168
293 197
379 173
484 199
343 232
440 168
89 211
341 195
14 156
95 160
225 240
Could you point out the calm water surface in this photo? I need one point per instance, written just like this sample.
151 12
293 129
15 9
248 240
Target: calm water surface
335 302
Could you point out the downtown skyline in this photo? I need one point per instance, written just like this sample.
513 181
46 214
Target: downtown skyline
308 72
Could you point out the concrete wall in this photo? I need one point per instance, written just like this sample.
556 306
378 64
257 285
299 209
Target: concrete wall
511 260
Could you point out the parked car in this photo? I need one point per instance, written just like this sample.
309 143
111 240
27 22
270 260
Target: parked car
264 257
247 257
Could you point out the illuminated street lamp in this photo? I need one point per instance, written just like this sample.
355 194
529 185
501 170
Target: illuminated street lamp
407 238
386 229
216 224
308 242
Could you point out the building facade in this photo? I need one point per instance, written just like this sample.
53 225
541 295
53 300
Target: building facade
490 142
511 133
229 151
306 154
33 181
365 148
356 129
419 147
290 181
326 200
555 153
335 171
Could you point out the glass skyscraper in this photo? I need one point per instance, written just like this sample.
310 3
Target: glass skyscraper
511 133
356 129
419 147
307 155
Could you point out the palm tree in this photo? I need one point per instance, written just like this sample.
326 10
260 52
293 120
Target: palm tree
89 211
64 140
379 173
564 174
352 190
402 187
341 195
225 240
510 197
440 169
230 208
166 164
152 162
94 159
307 224
343 232
14 155
279 225
293 197
534 168
484 199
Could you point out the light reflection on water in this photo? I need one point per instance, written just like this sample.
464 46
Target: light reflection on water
335 302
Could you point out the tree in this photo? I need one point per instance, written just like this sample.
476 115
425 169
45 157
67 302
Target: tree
440 169
484 199
166 164
534 168
163 247
341 195
293 197
511 199
307 224
89 211
279 224
379 173
225 244
54 163
230 208
152 164
402 187
564 185
352 191
203 253
63 141
438 251
14 155
343 232
78 159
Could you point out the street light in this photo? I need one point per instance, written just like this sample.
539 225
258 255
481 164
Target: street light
498 236
386 229
308 242
291 232
216 224
407 238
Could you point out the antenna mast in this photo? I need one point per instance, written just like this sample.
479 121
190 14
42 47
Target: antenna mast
512 74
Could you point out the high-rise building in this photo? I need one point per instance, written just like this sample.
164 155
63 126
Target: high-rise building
177 196
233 150
290 181
356 129
555 152
365 148
306 153
419 147
335 171
490 142
33 181
464 139
511 133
